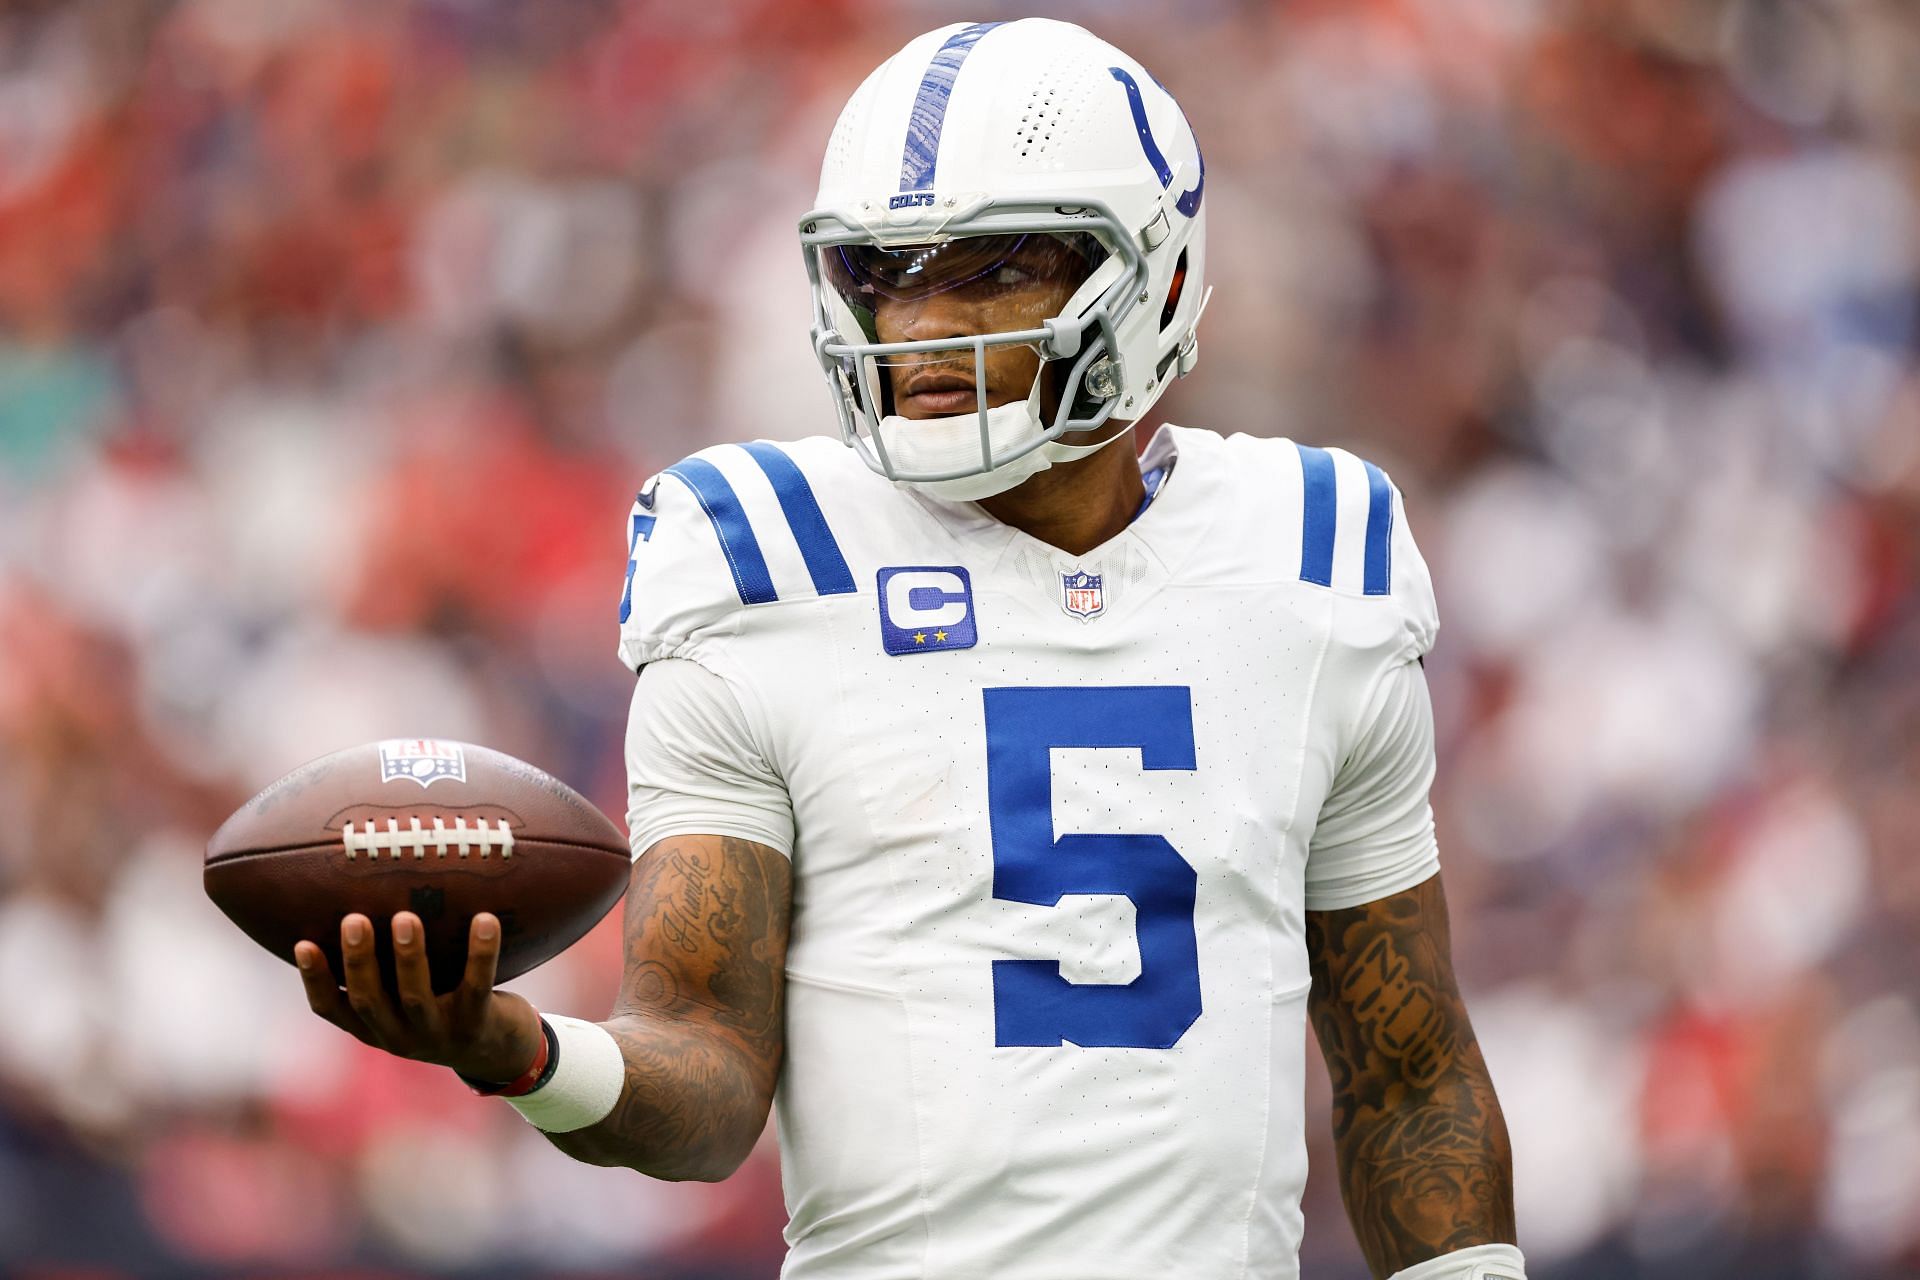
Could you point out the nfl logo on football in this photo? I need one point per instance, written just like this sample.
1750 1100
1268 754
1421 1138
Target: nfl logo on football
422 760
1082 595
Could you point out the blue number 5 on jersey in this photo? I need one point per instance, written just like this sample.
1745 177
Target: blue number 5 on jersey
1032 1003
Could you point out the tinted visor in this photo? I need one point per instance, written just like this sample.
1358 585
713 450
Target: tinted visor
990 265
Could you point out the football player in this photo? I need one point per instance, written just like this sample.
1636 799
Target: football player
1005 801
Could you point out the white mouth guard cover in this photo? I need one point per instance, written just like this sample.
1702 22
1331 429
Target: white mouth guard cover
933 445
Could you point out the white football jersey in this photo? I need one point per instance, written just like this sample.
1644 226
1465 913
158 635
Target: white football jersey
1055 822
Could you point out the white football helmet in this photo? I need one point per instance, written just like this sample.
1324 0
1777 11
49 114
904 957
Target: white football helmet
1012 130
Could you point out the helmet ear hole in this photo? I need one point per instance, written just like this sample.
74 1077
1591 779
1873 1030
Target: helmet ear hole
1173 293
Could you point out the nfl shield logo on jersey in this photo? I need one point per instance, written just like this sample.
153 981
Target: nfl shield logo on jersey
1081 595
422 760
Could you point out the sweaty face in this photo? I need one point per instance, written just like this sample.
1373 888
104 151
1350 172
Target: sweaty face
961 288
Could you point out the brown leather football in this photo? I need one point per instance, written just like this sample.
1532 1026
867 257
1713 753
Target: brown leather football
442 829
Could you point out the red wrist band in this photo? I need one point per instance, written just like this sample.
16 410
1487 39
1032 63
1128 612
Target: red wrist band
527 1081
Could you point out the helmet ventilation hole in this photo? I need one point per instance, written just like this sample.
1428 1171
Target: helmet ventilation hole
840 144
1056 111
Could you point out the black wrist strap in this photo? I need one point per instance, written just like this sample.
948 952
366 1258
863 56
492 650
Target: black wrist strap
490 1087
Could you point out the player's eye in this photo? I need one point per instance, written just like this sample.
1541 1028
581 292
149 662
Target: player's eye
1009 275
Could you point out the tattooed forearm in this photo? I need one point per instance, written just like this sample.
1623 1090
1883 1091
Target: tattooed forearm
700 1016
1424 1162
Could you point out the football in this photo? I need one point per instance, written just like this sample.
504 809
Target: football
442 829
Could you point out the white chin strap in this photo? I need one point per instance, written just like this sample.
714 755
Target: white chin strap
953 444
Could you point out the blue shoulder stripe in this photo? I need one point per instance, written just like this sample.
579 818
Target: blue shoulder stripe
1379 571
818 547
1320 504
722 505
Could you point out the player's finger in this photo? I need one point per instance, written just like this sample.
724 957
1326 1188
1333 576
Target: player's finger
323 997
418 1007
365 993
483 960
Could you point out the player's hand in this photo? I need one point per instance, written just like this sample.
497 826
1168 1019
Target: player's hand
479 1032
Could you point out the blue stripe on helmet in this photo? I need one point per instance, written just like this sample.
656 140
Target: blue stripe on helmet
929 115
1379 574
818 547
722 505
1189 203
1321 503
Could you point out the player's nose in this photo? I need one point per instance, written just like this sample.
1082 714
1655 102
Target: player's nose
929 318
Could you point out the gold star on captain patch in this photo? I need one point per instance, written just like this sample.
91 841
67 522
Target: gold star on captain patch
919 637
941 636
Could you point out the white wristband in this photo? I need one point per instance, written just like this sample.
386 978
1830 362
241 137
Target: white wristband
585 1083
1482 1262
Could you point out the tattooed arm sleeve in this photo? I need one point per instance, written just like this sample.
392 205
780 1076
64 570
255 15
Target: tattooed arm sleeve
1424 1163
699 1020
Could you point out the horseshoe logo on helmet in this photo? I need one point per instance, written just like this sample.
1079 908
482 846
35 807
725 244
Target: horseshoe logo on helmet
1189 203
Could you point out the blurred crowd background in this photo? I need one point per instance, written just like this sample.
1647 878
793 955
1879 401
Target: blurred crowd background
335 336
